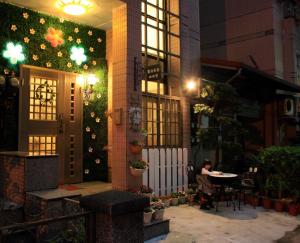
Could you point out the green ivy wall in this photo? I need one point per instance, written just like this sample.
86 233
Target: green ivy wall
29 29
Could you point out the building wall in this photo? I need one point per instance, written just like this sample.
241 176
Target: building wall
255 28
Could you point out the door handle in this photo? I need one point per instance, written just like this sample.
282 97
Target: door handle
60 124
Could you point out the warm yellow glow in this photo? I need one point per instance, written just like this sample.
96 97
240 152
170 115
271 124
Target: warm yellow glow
80 80
92 79
74 7
191 85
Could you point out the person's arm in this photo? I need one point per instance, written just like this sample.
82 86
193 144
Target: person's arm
205 172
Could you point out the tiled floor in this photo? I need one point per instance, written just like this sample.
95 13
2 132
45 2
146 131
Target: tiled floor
190 225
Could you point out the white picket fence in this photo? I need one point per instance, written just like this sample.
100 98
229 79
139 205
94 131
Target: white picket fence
167 171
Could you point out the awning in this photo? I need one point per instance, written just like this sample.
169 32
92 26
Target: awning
249 81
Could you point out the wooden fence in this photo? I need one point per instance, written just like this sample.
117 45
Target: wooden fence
167 170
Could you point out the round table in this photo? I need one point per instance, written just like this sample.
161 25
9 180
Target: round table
221 180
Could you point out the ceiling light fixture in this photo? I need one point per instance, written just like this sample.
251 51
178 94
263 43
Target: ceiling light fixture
74 7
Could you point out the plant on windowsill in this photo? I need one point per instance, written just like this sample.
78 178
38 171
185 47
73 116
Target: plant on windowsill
159 209
174 201
137 167
136 146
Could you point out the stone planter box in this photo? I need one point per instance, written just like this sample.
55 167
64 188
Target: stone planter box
182 200
21 173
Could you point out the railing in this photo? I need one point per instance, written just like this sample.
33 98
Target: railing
167 171
74 227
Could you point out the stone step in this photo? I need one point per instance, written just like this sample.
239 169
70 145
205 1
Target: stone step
156 228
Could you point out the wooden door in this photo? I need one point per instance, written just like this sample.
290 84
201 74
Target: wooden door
50 118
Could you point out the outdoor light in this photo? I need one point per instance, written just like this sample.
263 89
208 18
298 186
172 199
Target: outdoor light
87 82
191 85
74 7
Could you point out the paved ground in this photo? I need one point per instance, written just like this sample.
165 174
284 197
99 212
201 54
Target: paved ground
191 225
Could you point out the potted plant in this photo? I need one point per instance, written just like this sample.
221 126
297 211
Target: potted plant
146 191
138 167
266 201
181 197
136 147
166 200
191 194
174 201
159 210
293 208
148 213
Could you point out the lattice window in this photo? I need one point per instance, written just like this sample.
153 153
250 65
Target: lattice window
72 102
41 145
42 104
72 155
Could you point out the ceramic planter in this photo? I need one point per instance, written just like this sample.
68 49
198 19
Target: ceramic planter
158 214
181 200
279 205
266 202
293 209
174 201
136 172
147 217
135 149
166 202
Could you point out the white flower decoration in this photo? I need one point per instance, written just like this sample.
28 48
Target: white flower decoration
77 55
98 96
69 65
70 38
91 49
99 40
6 71
43 46
86 103
92 114
90 33
78 41
59 54
42 21
35 57
97 119
85 67
14 53
93 136
87 129
97 161
26 40
94 63
32 31
25 15
90 149
48 64
76 30
13 27
61 20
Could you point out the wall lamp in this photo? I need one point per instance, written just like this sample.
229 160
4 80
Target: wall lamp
87 83
192 86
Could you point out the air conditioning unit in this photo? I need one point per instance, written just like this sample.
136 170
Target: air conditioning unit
289 107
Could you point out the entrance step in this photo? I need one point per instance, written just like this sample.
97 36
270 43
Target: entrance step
156 228
50 203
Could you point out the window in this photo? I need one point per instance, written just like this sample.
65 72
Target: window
161 118
161 47
41 145
160 42
42 103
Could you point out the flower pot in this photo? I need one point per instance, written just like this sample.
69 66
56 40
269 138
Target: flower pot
181 200
136 172
266 202
293 209
158 214
174 201
166 202
255 201
191 198
279 205
147 217
135 149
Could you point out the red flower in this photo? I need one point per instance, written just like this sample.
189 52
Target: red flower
54 37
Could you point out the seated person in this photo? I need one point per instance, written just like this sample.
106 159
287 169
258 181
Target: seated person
205 185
